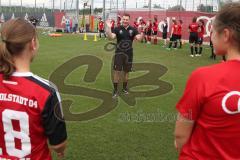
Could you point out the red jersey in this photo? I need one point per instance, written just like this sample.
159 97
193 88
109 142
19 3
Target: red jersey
101 25
71 23
179 32
193 27
143 24
155 26
112 24
119 22
135 25
211 99
149 27
28 119
202 31
175 29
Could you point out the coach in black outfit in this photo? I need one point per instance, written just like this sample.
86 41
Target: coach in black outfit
123 58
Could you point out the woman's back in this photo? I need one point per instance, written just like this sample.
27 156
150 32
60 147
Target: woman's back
213 102
30 109
26 110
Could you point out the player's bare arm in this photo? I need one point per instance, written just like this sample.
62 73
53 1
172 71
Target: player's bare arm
139 37
183 131
60 148
109 31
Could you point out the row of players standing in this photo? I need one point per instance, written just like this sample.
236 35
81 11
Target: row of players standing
150 31
101 26
196 30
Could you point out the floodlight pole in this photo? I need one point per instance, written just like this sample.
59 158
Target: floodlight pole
219 6
10 5
117 5
35 9
92 7
110 5
193 6
125 5
150 8
60 5
64 6
104 10
77 12
181 7
21 6
53 6
185 4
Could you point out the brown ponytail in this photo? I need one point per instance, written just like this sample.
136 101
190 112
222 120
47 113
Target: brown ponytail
6 62
15 34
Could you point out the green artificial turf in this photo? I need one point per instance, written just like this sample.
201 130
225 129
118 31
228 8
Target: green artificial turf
120 134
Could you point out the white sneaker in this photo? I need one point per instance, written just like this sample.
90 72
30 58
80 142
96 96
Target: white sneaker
191 55
197 55
115 95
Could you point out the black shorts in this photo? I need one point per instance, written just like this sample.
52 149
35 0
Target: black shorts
101 31
155 33
164 35
179 37
174 37
211 44
193 38
200 40
123 62
149 33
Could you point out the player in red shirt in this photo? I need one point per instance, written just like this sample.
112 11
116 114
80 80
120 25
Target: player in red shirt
200 36
155 30
179 34
141 28
173 35
119 19
193 37
164 32
208 124
112 24
148 31
30 109
135 24
101 28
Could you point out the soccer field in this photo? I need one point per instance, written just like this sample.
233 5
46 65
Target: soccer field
125 130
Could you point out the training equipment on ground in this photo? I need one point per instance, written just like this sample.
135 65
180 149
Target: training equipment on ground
95 38
55 35
85 37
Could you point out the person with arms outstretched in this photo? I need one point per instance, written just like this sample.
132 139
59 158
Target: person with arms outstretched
123 59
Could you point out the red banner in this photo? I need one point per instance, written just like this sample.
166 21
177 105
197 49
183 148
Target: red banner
59 20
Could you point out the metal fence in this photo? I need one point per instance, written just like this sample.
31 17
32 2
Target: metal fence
42 5
106 8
